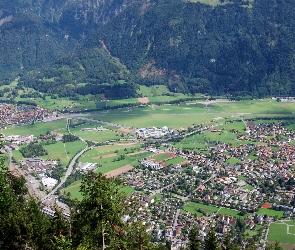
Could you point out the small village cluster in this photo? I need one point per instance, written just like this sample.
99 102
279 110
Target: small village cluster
22 114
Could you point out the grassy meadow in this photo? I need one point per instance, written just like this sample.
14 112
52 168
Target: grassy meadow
37 128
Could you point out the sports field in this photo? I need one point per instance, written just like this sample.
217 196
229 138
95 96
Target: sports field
282 231
176 160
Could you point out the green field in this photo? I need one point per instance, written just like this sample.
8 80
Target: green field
165 117
193 206
231 212
63 151
270 212
108 160
161 157
176 160
74 190
249 187
157 197
97 136
17 155
37 128
128 190
278 232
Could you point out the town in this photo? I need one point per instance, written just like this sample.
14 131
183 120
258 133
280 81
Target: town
244 187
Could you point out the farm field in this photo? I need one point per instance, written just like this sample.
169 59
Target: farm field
63 151
74 190
37 128
97 136
160 120
259 106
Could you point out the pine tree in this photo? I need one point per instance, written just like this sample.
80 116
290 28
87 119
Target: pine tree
194 242
211 241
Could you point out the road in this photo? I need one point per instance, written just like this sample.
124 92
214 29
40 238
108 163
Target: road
158 191
71 164
203 182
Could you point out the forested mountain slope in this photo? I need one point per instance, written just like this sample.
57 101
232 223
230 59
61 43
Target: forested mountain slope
225 49
237 47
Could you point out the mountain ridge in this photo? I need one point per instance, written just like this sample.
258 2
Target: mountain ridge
190 47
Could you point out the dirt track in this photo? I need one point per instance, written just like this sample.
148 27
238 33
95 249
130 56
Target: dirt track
143 100
118 171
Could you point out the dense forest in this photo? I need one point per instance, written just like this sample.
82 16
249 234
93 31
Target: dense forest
240 48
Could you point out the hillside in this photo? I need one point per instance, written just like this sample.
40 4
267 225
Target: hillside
241 48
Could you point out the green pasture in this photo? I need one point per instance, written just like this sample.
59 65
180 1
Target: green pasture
172 109
249 187
193 206
225 137
106 149
278 232
17 155
159 120
230 212
291 126
37 128
157 197
292 230
110 165
259 106
270 212
61 103
127 190
145 91
239 126
63 151
113 103
97 136
107 164
74 190
141 155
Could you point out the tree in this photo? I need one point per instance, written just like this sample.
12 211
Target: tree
194 242
228 245
97 219
22 223
211 241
